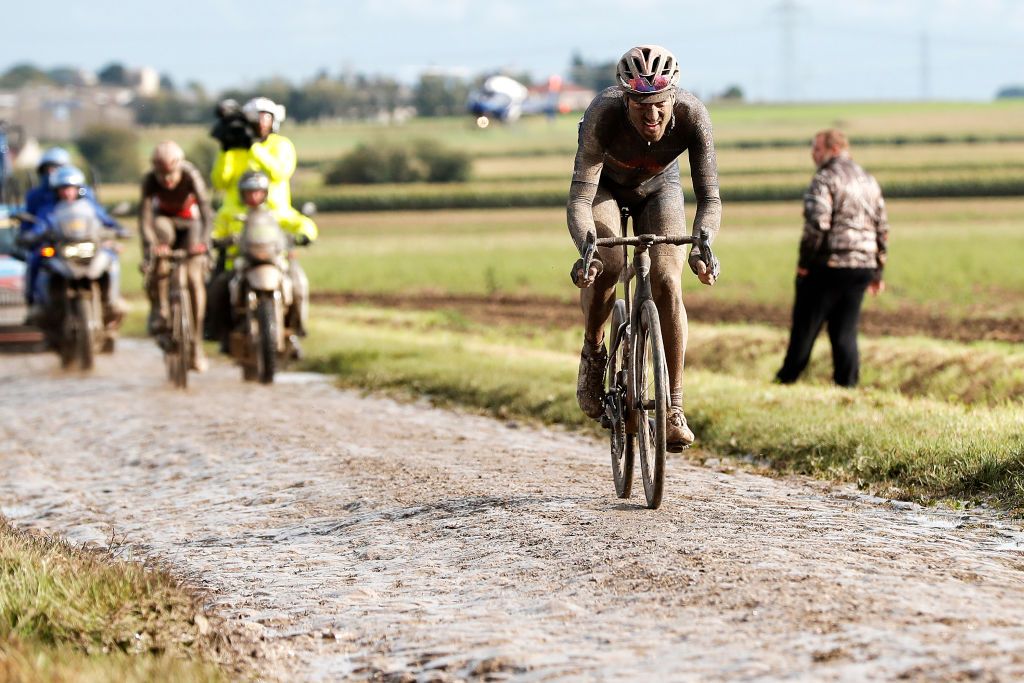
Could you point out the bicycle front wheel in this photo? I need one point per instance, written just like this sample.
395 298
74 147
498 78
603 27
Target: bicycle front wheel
177 353
651 401
622 443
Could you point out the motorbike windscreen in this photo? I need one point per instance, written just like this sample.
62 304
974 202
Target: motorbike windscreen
262 232
77 221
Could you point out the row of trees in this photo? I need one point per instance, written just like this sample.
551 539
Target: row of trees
346 96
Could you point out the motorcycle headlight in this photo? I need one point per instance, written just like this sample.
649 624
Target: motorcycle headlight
79 250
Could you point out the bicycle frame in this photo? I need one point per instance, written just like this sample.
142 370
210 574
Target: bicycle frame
636 398
640 268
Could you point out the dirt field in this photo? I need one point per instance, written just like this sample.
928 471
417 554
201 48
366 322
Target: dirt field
555 313
351 537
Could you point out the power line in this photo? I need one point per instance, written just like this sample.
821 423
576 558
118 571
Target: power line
925 67
787 11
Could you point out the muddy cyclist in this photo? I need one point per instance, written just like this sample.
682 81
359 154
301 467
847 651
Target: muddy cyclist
630 140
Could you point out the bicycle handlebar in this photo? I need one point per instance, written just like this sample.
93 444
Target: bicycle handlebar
175 255
702 240
649 240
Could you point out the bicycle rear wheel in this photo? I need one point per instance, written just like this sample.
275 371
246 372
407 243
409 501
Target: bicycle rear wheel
651 402
622 443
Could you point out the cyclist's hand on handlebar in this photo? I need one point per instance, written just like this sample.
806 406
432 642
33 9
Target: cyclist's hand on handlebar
583 276
161 250
701 270
198 248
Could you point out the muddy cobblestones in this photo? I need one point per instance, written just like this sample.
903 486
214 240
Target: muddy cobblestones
352 537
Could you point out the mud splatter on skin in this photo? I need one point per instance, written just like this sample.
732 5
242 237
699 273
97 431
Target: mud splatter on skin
348 536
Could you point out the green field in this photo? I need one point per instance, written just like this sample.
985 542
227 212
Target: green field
915 149
970 246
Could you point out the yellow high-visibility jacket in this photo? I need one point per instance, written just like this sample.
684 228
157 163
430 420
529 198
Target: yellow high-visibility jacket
274 156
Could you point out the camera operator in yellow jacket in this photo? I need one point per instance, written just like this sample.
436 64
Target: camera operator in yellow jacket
271 153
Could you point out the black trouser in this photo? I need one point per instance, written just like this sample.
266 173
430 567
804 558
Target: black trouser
832 295
218 308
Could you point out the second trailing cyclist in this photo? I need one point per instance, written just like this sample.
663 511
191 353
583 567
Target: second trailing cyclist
175 213
630 140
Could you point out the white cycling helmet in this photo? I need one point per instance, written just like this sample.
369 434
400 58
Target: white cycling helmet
649 73
254 107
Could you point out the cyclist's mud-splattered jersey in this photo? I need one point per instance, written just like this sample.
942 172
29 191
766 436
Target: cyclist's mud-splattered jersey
612 153
188 200
845 222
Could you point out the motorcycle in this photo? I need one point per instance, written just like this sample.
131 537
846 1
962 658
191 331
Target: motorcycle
76 265
262 337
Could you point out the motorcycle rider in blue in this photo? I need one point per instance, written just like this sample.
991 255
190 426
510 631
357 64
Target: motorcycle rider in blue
67 184
37 201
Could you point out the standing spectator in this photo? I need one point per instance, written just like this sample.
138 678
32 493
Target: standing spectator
842 254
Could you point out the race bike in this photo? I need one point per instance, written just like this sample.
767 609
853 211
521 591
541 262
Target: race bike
78 258
262 337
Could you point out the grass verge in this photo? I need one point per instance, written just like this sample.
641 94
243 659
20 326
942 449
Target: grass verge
904 447
79 615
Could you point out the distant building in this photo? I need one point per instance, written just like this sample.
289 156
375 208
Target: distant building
58 113
147 82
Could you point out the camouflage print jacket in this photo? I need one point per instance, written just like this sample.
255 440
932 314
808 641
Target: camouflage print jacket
845 224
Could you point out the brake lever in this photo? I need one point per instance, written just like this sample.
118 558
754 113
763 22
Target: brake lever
589 249
707 256
587 257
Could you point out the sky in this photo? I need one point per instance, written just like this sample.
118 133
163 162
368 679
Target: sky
773 49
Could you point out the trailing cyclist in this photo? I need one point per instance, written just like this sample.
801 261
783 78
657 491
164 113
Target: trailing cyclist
630 140
174 213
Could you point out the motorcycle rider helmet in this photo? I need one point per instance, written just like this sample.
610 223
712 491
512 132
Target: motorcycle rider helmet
253 181
648 73
257 105
68 176
53 158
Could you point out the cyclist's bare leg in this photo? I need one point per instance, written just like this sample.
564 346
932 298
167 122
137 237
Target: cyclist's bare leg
157 279
663 215
597 302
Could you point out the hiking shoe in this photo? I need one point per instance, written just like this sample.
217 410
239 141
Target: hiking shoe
678 435
590 381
